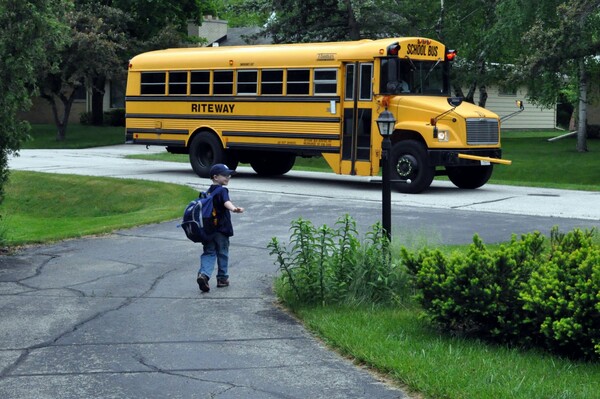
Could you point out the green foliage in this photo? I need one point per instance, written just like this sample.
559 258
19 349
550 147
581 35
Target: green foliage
325 266
28 29
520 294
563 295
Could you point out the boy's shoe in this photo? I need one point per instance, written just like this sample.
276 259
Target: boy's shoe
202 281
222 282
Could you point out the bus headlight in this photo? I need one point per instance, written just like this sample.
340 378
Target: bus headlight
443 135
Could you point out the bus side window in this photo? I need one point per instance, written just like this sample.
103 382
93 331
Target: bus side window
271 82
325 81
223 82
349 82
200 82
178 83
153 83
247 82
298 81
366 79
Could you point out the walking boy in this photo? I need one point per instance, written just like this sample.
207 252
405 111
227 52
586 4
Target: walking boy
217 249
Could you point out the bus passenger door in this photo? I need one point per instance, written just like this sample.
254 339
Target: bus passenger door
357 108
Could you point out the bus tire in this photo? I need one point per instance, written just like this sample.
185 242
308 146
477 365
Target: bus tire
469 177
409 161
273 163
205 151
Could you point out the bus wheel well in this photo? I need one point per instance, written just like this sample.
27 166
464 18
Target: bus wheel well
202 130
206 149
404 135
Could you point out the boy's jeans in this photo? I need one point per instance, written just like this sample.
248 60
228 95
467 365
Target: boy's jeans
215 250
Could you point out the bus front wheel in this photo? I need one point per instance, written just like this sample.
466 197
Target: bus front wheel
410 163
469 177
273 164
205 151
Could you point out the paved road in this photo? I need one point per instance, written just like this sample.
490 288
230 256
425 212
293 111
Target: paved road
120 316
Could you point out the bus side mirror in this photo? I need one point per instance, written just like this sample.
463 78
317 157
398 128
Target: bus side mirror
454 101
520 105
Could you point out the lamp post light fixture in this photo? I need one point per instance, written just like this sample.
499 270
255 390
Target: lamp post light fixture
386 124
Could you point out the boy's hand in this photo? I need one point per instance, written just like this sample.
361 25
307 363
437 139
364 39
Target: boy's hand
238 210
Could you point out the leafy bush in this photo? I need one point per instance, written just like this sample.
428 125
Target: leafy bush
563 295
520 294
115 117
476 293
323 265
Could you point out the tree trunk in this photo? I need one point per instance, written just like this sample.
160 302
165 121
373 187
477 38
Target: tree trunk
482 96
60 122
582 123
98 101
353 28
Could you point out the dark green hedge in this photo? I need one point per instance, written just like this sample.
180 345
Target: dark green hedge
527 293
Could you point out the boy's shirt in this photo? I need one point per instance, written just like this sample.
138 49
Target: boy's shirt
224 224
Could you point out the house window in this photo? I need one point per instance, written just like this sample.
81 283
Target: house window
117 94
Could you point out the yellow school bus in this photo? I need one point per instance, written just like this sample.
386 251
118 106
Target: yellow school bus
268 104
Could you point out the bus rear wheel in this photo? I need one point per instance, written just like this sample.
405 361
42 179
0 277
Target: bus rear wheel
273 163
410 163
205 151
469 177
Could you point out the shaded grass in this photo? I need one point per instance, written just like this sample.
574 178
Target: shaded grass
77 136
41 207
398 343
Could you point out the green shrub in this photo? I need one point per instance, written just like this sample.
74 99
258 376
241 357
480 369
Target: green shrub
115 117
563 295
325 266
477 293
522 294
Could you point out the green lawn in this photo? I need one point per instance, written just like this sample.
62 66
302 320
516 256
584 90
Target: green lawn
74 206
398 343
78 136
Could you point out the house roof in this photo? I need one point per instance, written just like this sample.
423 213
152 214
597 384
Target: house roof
243 36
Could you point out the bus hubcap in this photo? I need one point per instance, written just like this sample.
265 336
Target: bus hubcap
406 166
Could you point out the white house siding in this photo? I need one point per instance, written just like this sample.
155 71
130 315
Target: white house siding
533 117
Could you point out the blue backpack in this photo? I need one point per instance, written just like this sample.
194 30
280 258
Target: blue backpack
200 217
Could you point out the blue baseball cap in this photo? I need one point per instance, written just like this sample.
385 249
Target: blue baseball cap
221 169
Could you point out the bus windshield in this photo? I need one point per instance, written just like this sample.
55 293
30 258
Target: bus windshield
408 76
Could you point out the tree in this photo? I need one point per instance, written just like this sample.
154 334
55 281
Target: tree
28 29
94 50
561 50
104 37
305 21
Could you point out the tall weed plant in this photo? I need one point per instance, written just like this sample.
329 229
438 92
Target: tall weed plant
324 265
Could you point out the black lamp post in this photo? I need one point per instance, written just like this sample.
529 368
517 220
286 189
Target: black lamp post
386 124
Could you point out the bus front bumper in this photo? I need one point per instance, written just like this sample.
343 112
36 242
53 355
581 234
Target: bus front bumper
467 157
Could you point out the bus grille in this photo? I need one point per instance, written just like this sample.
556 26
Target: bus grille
482 131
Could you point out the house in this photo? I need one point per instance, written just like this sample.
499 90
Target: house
504 104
